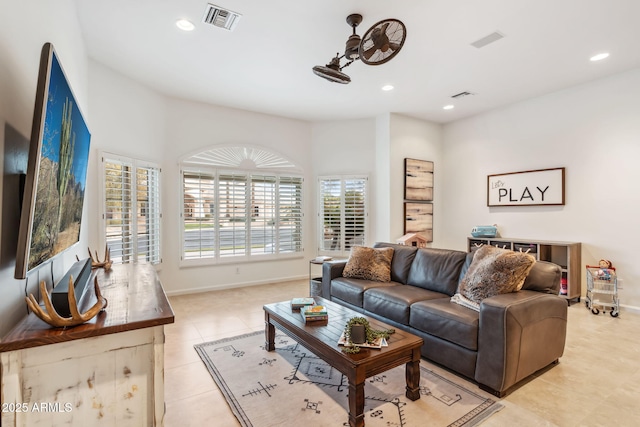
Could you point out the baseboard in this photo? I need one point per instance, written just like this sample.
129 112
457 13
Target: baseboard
235 285
630 308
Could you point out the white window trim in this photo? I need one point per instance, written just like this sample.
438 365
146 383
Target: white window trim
247 257
103 155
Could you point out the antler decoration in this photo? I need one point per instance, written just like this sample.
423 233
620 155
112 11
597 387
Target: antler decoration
52 317
96 263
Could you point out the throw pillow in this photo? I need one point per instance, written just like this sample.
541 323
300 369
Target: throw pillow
369 264
493 271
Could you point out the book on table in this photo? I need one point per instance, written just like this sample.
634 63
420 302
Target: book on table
311 313
297 303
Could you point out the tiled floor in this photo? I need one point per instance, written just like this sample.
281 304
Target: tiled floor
597 382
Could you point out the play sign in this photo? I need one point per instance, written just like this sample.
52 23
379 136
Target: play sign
528 188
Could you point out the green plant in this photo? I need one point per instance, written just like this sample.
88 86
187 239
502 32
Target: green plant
370 333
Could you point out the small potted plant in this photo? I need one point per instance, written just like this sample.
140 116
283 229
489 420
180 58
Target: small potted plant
358 331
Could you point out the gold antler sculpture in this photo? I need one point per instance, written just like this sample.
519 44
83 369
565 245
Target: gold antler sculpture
96 263
52 317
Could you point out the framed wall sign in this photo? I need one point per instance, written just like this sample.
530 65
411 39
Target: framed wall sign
418 218
418 180
527 188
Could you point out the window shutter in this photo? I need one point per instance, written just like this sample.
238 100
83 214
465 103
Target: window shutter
198 214
343 213
290 214
233 206
132 210
148 213
330 208
263 214
118 216
256 214
355 192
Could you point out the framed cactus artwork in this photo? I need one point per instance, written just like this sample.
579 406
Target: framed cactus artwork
56 170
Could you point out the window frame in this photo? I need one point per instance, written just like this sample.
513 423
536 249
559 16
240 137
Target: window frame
135 164
248 256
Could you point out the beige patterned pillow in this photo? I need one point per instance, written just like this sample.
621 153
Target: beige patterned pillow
369 263
494 271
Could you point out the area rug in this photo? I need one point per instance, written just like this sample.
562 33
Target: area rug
292 387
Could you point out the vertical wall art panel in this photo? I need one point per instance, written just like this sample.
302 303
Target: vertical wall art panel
418 218
418 180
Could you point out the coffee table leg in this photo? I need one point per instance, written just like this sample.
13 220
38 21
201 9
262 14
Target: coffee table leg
356 404
412 372
269 333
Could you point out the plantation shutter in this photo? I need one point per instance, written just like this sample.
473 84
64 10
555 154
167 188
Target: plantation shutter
198 214
262 214
354 213
118 210
290 214
132 210
343 213
148 213
233 205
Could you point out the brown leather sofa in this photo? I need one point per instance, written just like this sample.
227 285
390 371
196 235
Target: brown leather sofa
513 335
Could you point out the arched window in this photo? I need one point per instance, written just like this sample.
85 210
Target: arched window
240 203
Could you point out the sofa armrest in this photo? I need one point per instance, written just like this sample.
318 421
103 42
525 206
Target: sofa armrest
330 271
519 334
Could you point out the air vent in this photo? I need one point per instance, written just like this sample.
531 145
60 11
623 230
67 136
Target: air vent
493 37
461 94
219 17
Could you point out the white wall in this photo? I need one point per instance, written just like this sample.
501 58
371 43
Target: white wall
128 119
346 147
414 139
22 34
377 147
593 131
193 127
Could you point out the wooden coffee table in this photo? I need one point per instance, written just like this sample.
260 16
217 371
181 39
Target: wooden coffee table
322 339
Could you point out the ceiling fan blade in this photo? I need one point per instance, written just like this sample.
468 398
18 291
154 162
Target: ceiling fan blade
369 52
394 46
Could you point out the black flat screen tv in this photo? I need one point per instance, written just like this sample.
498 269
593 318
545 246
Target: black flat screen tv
56 172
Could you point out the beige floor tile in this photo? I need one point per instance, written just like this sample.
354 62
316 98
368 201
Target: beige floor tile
205 409
180 353
596 383
187 381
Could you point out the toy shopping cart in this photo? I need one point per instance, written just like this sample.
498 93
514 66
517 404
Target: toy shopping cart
602 290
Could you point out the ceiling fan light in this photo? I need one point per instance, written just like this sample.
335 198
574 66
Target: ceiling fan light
352 49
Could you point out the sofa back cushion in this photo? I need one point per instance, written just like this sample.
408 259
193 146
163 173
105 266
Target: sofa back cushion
401 262
437 270
544 277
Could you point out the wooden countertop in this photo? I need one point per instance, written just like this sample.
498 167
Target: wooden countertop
136 300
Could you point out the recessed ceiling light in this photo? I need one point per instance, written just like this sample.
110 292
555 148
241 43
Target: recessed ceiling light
387 87
600 56
185 25
448 107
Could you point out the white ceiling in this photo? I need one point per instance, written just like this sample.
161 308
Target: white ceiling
265 64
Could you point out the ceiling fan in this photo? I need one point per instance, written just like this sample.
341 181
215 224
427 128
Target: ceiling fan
379 44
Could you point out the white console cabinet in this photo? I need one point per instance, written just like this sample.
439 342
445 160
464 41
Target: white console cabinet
107 372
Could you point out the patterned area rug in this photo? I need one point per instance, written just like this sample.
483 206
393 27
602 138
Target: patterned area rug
292 387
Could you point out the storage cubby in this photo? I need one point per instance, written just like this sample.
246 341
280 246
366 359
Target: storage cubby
565 254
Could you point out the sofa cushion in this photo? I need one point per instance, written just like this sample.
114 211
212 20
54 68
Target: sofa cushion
445 320
493 272
394 302
352 290
437 270
369 264
401 262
